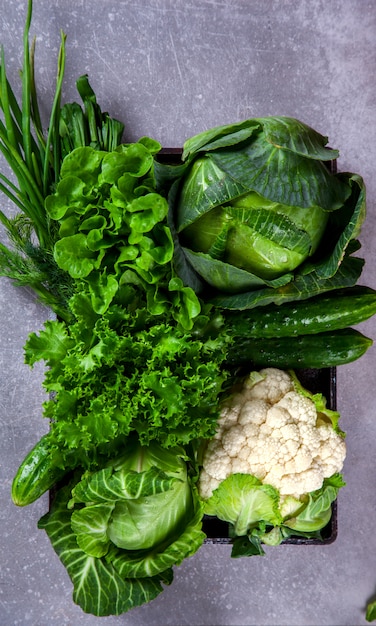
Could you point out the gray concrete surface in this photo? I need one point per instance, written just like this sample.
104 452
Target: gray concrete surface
169 69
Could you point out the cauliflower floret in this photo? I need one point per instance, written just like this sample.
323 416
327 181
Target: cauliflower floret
301 461
311 434
273 385
233 440
254 455
207 484
270 450
229 416
332 451
250 431
217 462
291 434
254 411
277 417
291 442
301 483
275 476
266 429
238 466
269 429
301 409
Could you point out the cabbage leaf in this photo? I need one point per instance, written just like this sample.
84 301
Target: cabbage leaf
162 527
99 589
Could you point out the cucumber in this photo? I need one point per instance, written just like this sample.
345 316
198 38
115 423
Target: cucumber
330 311
36 474
314 351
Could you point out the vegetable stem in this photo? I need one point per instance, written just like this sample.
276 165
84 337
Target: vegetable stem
53 132
26 109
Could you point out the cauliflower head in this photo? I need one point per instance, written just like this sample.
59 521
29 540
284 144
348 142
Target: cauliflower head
272 428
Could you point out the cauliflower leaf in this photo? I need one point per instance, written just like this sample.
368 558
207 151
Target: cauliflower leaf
243 500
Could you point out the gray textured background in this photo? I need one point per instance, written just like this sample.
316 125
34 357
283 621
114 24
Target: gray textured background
169 69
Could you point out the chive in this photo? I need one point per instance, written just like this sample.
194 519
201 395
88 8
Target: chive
53 131
6 190
26 108
8 118
33 94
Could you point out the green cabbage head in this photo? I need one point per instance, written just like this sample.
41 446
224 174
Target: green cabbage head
119 530
143 498
260 211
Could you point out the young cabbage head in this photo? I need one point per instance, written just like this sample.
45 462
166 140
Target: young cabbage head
144 499
265 238
259 206
120 530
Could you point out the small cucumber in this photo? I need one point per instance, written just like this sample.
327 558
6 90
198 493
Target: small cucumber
36 474
317 351
330 311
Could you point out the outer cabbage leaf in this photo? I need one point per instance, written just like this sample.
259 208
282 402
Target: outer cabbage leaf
219 137
90 525
113 504
271 171
302 287
149 490
343 228
285 132
218 273
206 186
295 136
98 588
107 485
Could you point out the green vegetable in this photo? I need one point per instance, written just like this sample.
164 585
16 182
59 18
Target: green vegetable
242 500
89 126
329 311
119 531
112 224
371 611
143 347
123 371
273 468
257 518
35 155
256 208
142 507
36 474
320 350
